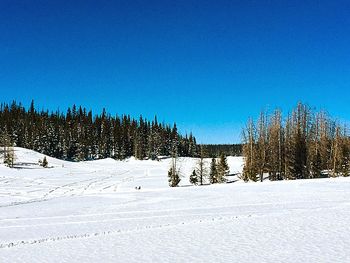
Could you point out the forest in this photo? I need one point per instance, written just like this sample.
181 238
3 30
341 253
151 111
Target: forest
79 135
304 144
215 150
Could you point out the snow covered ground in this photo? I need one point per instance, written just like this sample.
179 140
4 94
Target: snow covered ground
91 212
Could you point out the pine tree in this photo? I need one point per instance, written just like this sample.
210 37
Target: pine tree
78 135
45 163
174 141
194 178
192 146
222 169
213 175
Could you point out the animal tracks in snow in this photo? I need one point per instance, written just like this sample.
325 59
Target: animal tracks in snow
118 231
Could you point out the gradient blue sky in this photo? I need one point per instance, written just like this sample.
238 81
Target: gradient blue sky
208 65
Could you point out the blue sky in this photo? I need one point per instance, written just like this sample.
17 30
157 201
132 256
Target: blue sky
208 65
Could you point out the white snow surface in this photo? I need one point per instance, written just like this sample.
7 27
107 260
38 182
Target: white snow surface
91 212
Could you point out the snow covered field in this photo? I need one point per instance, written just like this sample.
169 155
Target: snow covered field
91 212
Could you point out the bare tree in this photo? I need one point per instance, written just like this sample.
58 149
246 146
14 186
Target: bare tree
9 157
249 152
276 147
337 152
201 169
262 145
314 145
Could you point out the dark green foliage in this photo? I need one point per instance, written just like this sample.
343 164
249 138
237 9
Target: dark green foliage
222 169
214 150
194 178
213 175
173 177
45 163
315 165
78 135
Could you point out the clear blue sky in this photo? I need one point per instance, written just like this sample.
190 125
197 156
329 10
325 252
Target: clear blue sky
208 65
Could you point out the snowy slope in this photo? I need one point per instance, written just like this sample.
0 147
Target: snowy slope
91 212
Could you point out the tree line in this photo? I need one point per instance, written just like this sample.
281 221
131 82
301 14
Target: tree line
79 135
214 150
304 144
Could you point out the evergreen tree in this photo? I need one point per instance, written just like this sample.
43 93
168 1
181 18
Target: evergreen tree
174 142
194 178
213 175
78 135
45 163
192 146
222 169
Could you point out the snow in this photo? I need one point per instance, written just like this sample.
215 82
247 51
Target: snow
91 212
